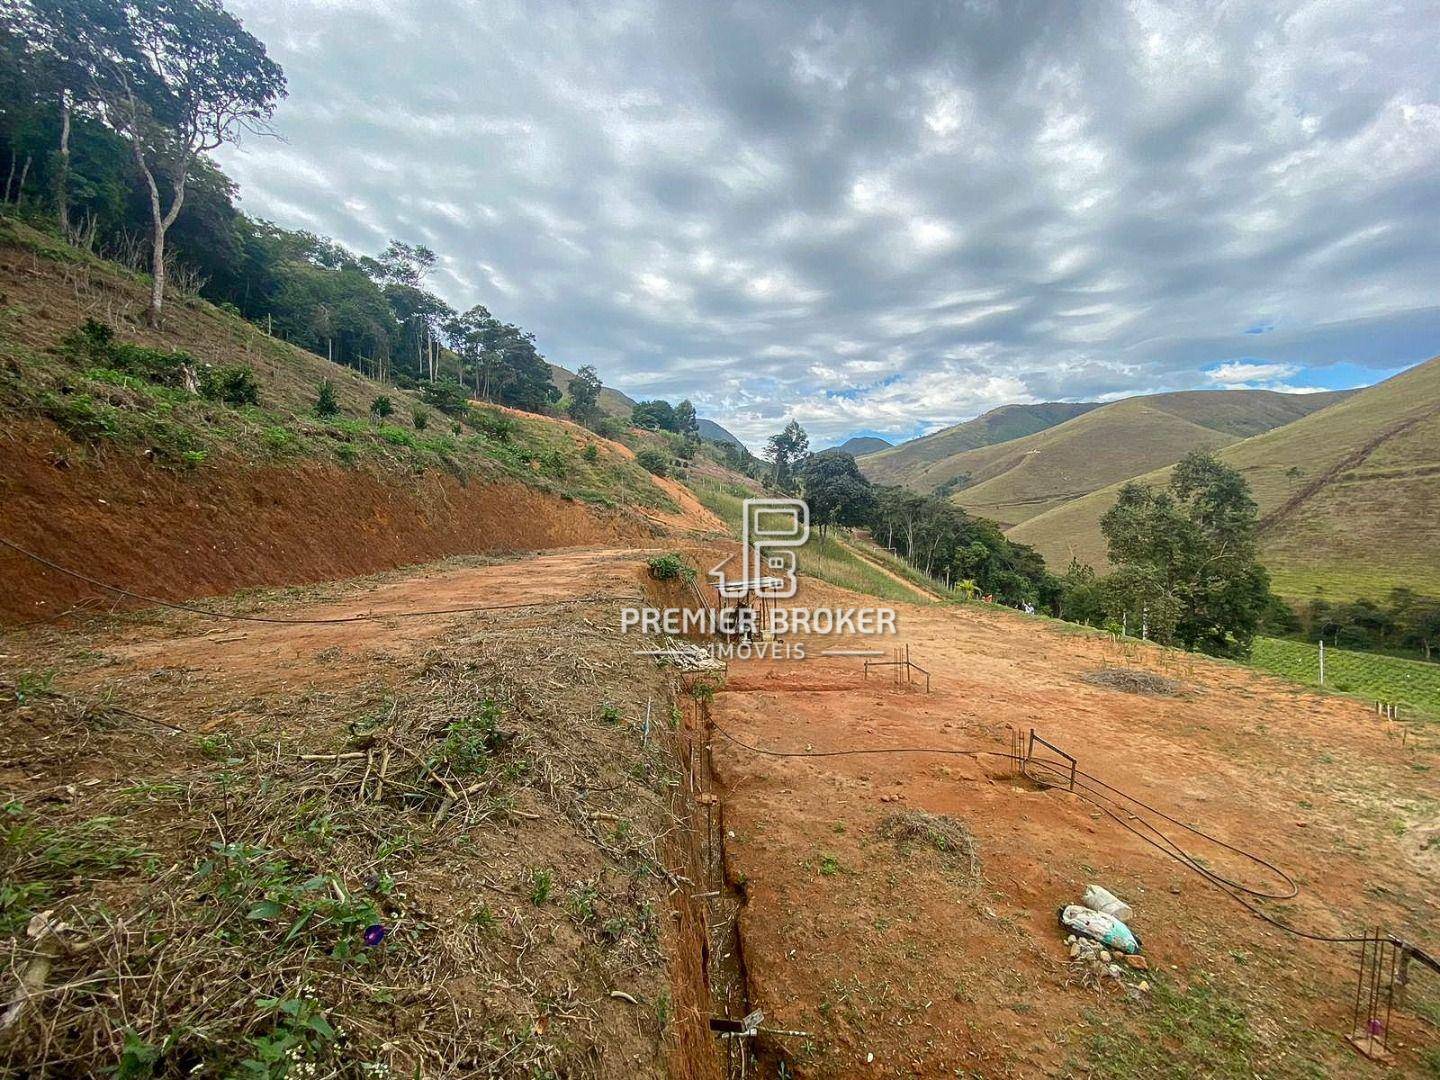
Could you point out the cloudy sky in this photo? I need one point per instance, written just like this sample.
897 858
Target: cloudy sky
881 217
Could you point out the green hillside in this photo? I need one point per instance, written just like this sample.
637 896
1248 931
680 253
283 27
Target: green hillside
129 396
1013 481
1349 495
909 463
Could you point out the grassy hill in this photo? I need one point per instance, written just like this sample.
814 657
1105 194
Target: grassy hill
860 445
1349 495
911 463
1013 481
612 402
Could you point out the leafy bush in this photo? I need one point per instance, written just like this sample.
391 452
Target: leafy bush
396 436
448 396
494 425
653 461
94 344
671 567
278 438
591 453
420 418
326 403
553 464
233 384
381 407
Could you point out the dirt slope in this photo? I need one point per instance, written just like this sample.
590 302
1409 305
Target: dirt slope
900 959
233 525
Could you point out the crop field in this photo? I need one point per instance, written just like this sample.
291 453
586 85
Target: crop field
1371 675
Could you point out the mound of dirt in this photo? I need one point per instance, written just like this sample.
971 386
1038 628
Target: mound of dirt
1133 681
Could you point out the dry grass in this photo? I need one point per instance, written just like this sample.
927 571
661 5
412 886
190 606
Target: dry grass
217 869
950 839
1133 681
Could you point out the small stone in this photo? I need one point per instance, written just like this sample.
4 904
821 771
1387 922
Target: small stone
1114 970
1137 963
1075 950
1174 890
1144 987
1105 956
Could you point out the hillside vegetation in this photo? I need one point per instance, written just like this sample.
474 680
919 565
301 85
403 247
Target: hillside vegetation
194 460
1348 495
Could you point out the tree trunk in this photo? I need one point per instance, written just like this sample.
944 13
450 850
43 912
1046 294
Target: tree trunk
9 180
62 168
157 272
20 191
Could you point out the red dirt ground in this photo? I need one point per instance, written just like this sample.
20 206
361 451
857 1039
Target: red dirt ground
878 953
235 526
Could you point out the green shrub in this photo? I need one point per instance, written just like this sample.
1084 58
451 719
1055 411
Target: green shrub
381 407
396 436
591 453
81 417
93 344
448 396
653 461
233 384
494 425
420 418
326 403
553 464
671 567
278 438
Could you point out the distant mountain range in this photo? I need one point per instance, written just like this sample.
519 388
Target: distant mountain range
1015 479
617 404
1349 495
1348 482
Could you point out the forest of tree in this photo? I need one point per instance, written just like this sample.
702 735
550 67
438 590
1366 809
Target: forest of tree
108 110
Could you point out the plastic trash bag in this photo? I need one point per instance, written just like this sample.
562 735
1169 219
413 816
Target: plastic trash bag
1098 926
1106 902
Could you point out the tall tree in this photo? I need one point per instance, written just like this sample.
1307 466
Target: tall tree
584 390
657 415
835 490
687 423
176 79
1186 557
784 451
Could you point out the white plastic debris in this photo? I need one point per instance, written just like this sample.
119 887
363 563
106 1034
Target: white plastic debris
1107 903
1105 929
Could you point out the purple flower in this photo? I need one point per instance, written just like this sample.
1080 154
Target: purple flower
374 934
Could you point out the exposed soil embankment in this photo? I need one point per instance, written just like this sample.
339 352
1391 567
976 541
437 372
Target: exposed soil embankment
230 525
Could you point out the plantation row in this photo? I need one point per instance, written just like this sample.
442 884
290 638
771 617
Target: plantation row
1411 683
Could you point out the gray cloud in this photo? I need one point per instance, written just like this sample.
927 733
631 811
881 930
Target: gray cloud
883 217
